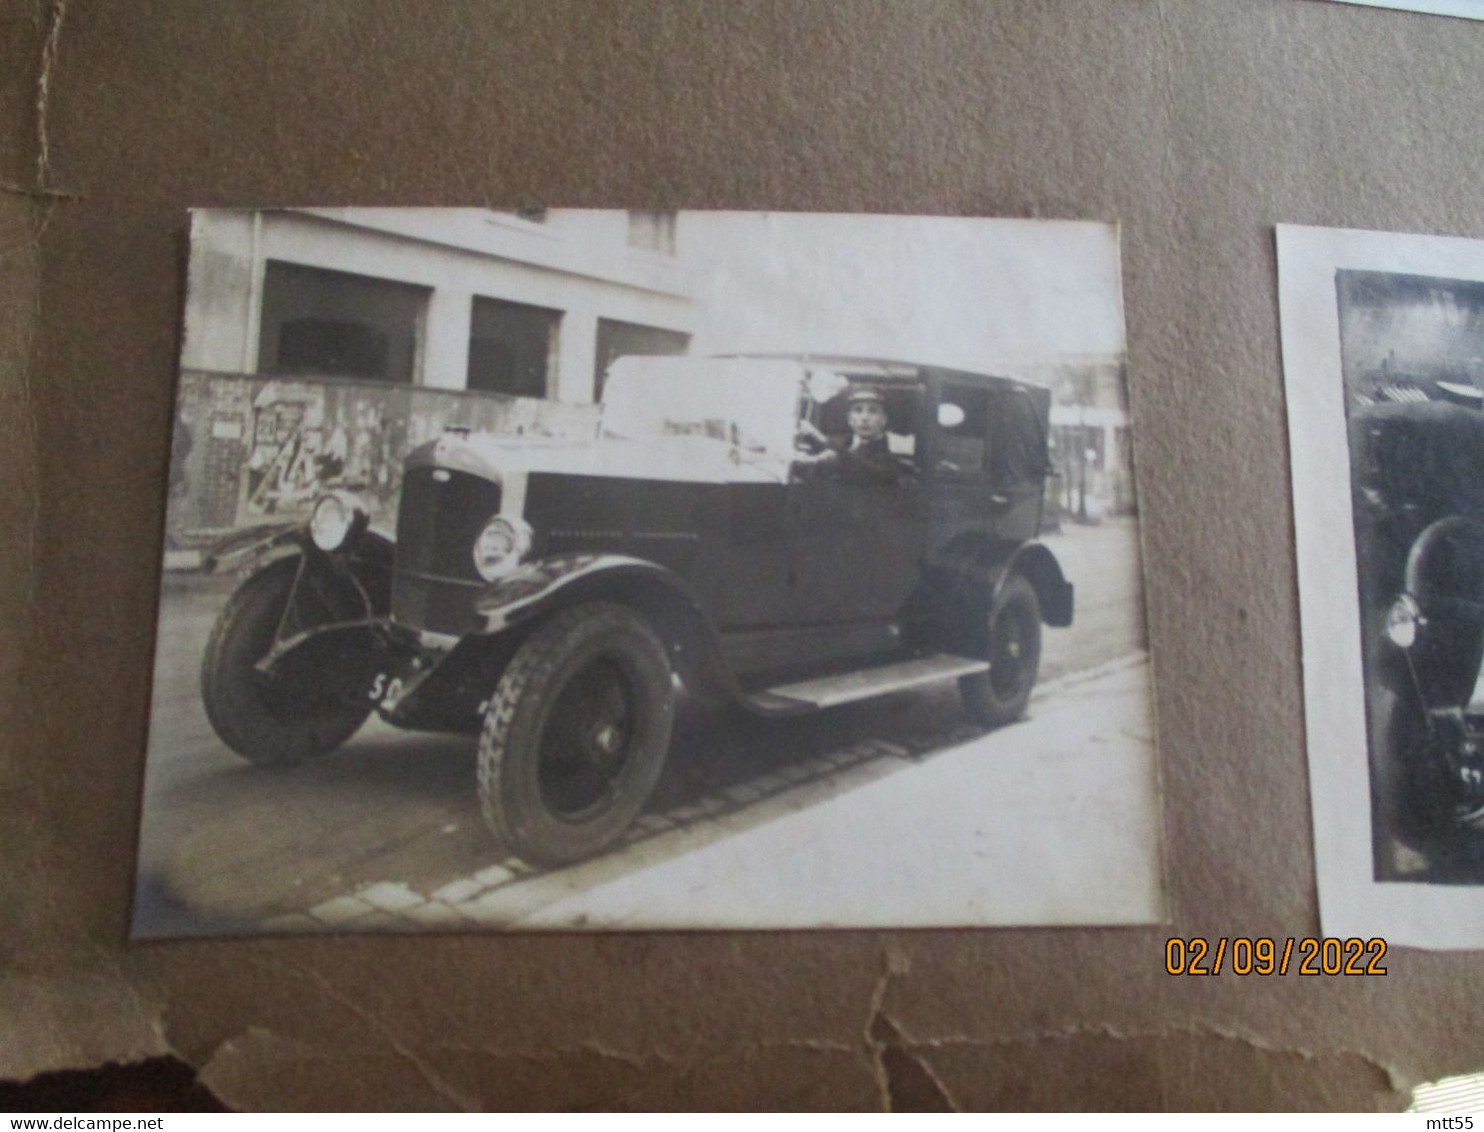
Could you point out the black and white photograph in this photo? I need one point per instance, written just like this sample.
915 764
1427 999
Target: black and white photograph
571 569
1383 347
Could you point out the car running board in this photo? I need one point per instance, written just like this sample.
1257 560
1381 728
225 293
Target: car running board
830 691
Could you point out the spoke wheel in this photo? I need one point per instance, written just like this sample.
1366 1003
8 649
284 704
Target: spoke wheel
576 734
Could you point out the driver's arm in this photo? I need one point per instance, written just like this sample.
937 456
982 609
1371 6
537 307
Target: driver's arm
809 440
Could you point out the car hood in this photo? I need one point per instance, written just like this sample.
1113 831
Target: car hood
684 459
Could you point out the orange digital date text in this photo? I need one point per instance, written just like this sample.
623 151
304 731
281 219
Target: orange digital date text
1264 955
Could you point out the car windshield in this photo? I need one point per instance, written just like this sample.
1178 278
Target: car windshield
751 404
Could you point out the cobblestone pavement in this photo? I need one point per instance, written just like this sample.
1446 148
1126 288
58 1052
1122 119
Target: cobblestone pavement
386 835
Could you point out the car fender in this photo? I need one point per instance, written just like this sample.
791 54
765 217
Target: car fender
1039 566
538 588
1443 573
1427 545
971 576
255 547
450 691
534 588
366 564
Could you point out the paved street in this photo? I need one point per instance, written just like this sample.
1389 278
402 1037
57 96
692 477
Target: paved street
1050 821
886 806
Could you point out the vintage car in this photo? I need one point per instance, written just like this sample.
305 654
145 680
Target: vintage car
1418 471
551 596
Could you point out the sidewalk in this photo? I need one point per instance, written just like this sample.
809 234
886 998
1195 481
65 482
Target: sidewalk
1051 821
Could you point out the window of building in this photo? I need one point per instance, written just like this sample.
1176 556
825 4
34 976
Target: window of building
619 339
653 231
512 347
334 324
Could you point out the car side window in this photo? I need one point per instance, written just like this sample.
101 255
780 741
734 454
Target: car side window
875 442
964 436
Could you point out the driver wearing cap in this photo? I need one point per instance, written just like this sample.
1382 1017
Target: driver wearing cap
865 456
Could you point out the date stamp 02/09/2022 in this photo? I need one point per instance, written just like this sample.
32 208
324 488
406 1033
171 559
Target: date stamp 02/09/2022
1264 955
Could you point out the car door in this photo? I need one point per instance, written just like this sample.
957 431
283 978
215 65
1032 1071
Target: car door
965 453
752 583
857 545
1018 463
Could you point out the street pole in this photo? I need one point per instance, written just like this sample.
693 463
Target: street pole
1082 464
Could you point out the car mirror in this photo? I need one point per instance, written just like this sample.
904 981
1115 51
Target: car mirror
950 415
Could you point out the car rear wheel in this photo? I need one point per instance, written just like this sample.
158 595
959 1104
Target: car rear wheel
576 734
1000 695
269 721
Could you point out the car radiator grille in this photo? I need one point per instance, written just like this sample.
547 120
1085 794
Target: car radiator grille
440 515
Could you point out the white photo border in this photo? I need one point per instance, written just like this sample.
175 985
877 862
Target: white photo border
1351 902
1462 9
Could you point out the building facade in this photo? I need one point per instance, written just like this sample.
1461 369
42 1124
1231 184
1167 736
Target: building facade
530 305
322 345
1091 441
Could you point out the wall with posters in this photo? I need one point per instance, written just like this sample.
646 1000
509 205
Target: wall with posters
248 450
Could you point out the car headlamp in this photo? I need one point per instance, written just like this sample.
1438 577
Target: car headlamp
500 546
1402 622
334 518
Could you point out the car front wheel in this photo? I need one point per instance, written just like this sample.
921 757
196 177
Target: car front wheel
576 734
1000 695
267 719
1415 802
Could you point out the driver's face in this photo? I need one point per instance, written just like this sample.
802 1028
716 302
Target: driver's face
867 419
